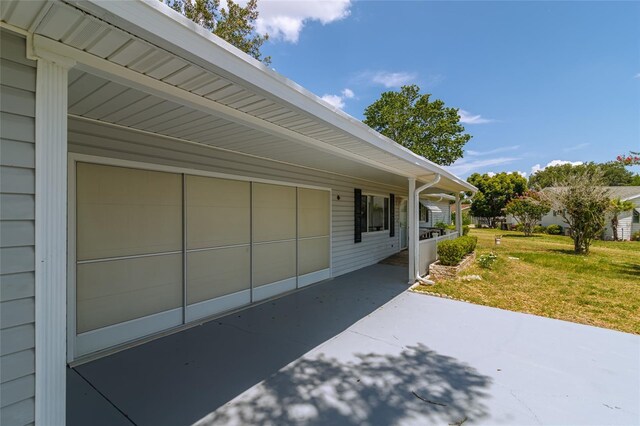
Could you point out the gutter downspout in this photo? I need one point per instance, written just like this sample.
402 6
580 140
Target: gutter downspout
416 230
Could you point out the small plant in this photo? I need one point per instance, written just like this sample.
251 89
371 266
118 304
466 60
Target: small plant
519 227
487 260
440 225
635 236
465 230
554 229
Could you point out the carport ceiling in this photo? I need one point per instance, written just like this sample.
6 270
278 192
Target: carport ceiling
92 97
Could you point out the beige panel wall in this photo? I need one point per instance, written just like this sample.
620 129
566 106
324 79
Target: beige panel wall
112 292
123 211
313 255
274 212
218 212
313 212
273 262
215 273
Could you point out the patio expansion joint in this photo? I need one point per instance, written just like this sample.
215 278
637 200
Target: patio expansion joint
105 397
377 339
513 394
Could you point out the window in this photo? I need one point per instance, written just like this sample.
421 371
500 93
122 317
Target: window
375 213
424 214
636 216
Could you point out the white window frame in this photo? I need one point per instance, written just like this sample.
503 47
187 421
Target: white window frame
72 160
386 197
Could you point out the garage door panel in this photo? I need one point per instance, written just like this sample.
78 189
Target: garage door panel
313 255
313 213
274 212
219 272
116 291
125 212
218 212
273 262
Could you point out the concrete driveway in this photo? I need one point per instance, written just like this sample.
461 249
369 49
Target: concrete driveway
360 350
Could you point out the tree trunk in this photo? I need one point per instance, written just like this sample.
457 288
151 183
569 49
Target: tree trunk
614 227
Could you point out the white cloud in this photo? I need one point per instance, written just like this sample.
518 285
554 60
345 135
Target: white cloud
537 167
464 166
284 19
467 118
348 93
492 151
392 79
333 100
523 174
576 147
337 101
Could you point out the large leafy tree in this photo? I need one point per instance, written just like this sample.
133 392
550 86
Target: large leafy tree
613 173
427 127
616 207
233 23
582 201
494 192
528 210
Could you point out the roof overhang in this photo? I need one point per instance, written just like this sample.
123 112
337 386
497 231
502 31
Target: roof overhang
431 207
148 47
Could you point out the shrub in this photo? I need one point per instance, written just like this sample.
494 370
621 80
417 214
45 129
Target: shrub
554 229
465 230
487 260
519 227
469 243
635 236
450 252
539 229
440 225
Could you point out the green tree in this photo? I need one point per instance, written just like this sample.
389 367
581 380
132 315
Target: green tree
235 24
528 210
426 127
613 173
494 192
582 201
616 207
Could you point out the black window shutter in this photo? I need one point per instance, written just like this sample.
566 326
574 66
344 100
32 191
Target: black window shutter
357 215
392 215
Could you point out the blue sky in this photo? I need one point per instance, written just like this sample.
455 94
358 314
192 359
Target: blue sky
538 81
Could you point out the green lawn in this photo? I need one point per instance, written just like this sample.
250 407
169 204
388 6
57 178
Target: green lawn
601 289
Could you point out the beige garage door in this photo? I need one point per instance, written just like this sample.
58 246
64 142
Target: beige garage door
157 249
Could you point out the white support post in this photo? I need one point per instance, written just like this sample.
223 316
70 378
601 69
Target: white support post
458 215
51 239
412 229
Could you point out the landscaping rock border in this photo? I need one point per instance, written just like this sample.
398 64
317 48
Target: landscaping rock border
442 272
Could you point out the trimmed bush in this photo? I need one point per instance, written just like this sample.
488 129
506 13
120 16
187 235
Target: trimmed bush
451 252
538 229
554 229
465 230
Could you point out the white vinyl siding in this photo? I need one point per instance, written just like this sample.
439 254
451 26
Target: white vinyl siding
107 141
17 240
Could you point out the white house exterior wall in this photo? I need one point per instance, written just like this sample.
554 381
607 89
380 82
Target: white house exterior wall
17 237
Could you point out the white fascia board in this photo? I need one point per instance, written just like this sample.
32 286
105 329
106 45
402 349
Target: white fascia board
159 24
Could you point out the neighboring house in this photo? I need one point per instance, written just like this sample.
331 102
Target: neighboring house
628 222
154 176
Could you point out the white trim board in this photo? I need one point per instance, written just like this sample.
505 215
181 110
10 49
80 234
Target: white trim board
106 337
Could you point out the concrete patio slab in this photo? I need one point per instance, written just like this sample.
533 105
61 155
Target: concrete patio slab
360 350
